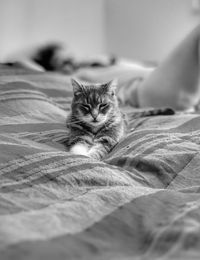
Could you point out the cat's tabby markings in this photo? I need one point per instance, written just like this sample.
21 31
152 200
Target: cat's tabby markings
95 123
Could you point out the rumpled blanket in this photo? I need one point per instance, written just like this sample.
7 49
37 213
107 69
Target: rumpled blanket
141 202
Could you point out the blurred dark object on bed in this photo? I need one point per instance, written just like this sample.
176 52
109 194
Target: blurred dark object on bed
50 59
45 56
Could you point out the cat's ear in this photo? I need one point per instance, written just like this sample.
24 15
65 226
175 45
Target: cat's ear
111 87
77 87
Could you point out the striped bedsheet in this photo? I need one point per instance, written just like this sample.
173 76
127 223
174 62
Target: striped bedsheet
141 202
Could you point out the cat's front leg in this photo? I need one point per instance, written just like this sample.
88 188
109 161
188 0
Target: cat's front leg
101 147
97 152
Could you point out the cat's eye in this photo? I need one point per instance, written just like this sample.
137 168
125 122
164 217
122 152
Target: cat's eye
85 107
103 105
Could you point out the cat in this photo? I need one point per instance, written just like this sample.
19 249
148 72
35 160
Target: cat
95 123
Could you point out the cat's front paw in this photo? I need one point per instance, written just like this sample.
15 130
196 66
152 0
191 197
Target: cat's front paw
95 154
79 148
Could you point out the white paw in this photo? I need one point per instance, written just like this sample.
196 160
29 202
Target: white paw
80 148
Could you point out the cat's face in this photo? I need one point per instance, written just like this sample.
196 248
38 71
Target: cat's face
94 104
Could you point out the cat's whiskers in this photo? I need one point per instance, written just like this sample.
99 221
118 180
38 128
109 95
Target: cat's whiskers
74 122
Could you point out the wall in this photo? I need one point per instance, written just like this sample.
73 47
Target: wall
147 29
78 23
138 29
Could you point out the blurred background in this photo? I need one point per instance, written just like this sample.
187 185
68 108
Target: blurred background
134 29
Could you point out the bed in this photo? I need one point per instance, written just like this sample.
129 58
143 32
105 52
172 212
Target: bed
141 202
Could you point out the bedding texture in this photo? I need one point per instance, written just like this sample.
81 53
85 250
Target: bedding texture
141 202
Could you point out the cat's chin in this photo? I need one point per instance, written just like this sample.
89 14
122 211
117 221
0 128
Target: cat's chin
96 123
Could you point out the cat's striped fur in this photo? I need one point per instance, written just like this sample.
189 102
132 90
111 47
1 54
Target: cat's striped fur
151 112
96 123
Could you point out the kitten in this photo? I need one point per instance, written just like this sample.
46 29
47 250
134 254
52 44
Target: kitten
95 123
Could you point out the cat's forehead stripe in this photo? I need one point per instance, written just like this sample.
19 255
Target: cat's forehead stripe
93 98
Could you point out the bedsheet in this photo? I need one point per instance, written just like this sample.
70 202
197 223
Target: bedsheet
141 202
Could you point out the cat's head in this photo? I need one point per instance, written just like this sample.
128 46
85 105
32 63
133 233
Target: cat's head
94 104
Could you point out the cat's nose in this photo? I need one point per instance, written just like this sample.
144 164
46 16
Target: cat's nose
95 114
